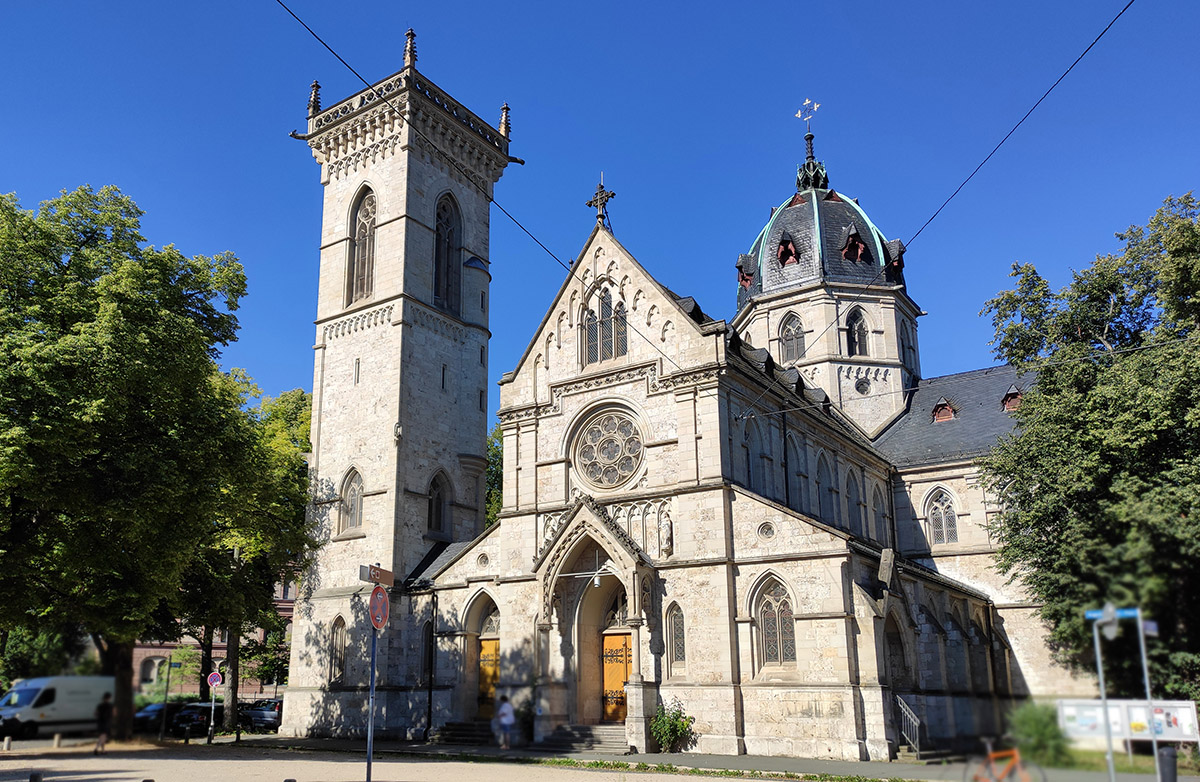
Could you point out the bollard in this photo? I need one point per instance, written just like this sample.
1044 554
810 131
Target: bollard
187 734
1167 759
7 743
36 776
289 780
58 741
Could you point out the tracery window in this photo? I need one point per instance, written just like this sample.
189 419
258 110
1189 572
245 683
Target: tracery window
439 500
337 651
791 339
350 509
617 614
797 478
826 492
776 625
605 336
879 516
676 639
907 353
491 622
360 271
943 522
446 268
609 450
856 334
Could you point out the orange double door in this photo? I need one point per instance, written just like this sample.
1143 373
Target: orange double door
615 660
489 673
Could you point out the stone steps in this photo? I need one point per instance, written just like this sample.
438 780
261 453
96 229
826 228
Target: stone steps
586 738
474 733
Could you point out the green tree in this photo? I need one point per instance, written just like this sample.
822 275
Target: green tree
26 652
495 474
119 437
1101 478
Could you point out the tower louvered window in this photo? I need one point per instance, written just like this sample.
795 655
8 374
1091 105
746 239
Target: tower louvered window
856 335
791 339
446 266
360 272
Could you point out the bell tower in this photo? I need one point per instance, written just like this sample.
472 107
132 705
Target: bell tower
400 371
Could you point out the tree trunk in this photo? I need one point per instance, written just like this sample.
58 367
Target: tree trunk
206 662
121 654
232 653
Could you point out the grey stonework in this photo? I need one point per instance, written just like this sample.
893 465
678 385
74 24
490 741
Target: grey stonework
724 502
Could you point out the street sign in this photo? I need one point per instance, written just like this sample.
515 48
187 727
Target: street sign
1150 627
378 607
376 575
214 679
1118 613
176 665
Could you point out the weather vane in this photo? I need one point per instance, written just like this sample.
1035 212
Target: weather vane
807 111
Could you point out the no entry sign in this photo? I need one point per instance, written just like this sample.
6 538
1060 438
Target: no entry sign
378 607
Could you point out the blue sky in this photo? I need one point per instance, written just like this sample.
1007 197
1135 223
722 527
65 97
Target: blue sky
687 108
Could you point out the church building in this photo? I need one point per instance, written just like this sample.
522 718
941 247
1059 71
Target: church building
775 520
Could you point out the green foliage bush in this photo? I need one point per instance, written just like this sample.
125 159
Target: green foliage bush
672 727
1035 730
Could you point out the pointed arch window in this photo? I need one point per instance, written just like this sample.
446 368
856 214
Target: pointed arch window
676 639
438 519
907 354
446 250
427 651
943 521
360 271
879 516
826 492
751 456
791 339
797 478
777 625
854 505
617 614
856 334
350 509
491 623
337 651
605 336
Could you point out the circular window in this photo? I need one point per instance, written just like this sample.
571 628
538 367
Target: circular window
609 450
766 530
483 560
863 385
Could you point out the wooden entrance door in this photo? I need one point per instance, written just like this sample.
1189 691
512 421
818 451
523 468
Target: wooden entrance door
489 672
615 661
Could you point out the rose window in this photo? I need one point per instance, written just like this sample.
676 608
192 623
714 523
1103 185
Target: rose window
610 450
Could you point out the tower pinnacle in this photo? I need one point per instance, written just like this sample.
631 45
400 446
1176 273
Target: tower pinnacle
410 49
812 174
504 123
314 99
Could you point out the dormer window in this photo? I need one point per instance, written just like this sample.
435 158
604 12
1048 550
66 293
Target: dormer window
786 252
745 278
854 248
943 411
1012 399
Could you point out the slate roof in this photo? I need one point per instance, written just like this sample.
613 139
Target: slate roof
438 557
979 417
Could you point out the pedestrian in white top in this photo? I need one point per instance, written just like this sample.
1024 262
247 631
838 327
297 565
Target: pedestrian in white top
507 717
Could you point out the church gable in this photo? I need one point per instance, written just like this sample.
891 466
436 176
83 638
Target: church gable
609 315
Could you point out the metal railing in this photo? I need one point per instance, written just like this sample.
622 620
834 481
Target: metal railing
909 724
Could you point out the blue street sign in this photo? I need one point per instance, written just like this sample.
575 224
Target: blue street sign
1122 613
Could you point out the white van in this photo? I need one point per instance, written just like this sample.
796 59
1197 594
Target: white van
52 704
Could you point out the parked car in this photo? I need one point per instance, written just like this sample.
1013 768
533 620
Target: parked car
264 714
52 704
148 719
195 716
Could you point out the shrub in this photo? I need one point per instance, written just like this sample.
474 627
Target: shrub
672 727
1035 729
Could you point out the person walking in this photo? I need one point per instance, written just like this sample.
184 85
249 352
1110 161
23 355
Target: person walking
507 718
104 720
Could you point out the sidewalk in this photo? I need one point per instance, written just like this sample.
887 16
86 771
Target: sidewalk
948 772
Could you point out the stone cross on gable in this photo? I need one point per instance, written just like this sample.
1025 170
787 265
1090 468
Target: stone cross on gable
600 202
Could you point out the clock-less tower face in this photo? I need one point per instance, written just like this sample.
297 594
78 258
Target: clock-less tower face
609 450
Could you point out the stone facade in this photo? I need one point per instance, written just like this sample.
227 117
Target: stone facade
684 515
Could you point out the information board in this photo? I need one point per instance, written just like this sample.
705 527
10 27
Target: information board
1130 720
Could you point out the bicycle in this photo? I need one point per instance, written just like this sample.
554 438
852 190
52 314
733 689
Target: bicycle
1003 765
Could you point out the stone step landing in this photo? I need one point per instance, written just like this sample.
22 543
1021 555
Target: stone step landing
567 739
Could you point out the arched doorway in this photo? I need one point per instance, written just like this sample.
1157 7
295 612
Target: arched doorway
489 662
615 658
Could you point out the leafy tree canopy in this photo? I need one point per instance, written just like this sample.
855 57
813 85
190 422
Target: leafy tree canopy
495 474
1101 478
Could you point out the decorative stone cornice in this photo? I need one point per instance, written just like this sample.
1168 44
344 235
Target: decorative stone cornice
439 324
360 321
